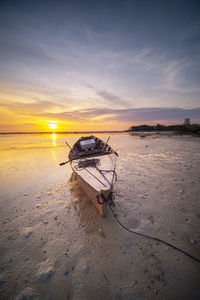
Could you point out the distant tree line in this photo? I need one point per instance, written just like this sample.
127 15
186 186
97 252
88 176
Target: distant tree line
186 127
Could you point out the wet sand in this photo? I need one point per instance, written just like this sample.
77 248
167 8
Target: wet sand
54 245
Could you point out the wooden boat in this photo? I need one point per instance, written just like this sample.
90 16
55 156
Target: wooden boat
94 161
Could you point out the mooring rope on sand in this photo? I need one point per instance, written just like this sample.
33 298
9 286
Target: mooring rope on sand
153 238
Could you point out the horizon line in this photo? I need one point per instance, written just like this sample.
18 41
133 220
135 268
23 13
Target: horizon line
74 132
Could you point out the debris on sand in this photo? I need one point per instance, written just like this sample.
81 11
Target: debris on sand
49 193
45 271
26 233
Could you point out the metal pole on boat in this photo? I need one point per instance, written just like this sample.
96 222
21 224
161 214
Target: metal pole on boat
106 143
68 145
64 163
107 140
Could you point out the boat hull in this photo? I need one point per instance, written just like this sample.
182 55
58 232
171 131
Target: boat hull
92 194
94 179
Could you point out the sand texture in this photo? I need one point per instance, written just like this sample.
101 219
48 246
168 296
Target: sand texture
54 244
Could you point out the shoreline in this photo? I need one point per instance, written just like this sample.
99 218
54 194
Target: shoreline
134 133
62 132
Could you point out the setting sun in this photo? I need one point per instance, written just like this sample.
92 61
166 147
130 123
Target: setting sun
53 125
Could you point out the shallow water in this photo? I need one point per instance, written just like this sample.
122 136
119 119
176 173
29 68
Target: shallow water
53 243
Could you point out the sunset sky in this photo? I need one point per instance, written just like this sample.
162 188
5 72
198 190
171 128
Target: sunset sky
98 65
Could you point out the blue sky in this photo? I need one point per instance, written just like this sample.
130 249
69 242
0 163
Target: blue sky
127 61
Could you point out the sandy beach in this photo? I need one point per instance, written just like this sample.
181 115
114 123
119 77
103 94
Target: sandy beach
54 244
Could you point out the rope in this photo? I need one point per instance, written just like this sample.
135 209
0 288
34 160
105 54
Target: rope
83 164
94 163
108 171
153 238
101 172
95 177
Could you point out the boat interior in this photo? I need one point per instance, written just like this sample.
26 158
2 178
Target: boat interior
89 146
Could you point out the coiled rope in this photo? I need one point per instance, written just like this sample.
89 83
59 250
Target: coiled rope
94 163
83 164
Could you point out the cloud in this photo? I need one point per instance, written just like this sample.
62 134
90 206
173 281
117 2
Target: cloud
54 110
29 124
31 107
120 49
127 115
110 98
155 69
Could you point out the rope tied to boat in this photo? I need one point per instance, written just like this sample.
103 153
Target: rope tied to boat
152 237
108 171
109 199
94 163
84 164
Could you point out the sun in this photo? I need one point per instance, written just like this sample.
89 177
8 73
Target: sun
53 125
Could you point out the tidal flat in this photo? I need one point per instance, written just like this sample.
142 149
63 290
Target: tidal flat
54 244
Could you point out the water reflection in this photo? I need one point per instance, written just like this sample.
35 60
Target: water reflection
53 136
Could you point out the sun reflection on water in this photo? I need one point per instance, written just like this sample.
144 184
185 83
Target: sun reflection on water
53 136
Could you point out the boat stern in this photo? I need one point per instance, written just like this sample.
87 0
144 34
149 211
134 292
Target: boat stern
103 198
